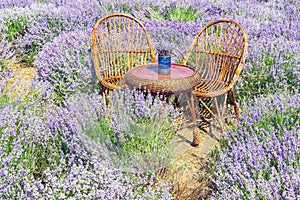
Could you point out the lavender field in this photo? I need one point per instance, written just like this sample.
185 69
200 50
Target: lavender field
58 140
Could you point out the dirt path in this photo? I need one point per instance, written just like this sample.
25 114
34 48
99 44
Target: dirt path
188 171
19 83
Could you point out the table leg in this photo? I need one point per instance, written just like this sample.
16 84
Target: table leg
191 104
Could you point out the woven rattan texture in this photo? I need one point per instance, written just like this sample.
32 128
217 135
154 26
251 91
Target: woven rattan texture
218 53
163 86
119 43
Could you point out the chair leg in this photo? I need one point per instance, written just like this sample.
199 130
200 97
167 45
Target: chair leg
224 105
110 98
191 105
219 114
176 102
102 93
236 108
211 112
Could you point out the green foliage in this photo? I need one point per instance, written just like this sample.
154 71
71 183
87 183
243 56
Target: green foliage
147 140
37 156
15 27
30 53
178 13
3 67
126 8
4 99
291 74
182 14
281 121
148 136
56 26
34 158
269 77
98 131
154 13
214 30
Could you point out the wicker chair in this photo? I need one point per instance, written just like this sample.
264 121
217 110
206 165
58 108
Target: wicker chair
119 43
218 52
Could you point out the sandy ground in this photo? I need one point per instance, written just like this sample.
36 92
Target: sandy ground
19 83
189 171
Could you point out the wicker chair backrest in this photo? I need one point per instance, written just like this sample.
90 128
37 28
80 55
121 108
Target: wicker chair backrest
119 42
218 51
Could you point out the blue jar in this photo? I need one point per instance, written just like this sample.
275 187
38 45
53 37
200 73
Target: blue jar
164 64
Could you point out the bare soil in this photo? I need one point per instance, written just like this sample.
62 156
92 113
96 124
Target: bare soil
23 74
189 172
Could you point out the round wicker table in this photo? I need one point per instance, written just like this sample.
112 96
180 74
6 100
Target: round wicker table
181 80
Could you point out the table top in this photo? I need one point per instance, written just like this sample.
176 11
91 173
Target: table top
180 79
150 72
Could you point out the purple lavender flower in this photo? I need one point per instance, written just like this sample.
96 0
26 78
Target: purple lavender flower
47 154
68 68
261 159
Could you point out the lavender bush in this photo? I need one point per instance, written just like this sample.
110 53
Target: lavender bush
15 22
28 14
48 25
274 73
26 3
66 63
4 98
40 23
46 154
142 128
15 3
175 24
71 151
260 159
272 61
6 51
163 10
